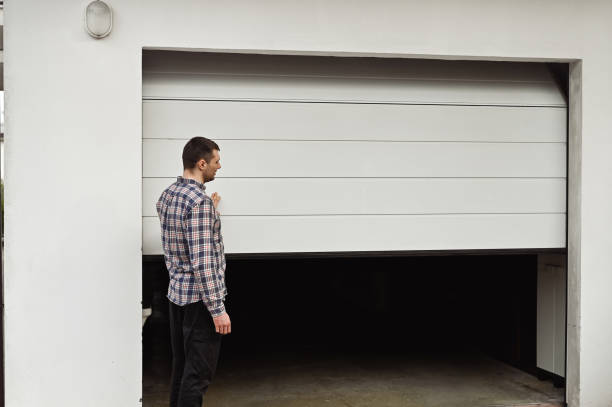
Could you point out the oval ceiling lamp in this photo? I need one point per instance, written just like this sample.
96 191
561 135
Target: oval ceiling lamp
98 19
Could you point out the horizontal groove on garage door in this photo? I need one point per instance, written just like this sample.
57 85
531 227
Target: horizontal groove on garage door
372 233
375 196
356 159
163 119
325 89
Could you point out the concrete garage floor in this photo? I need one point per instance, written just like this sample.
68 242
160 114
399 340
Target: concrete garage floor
414 332
315 378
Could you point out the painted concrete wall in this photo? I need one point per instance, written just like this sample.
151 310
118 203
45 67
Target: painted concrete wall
73 170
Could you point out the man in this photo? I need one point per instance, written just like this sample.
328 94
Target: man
193 250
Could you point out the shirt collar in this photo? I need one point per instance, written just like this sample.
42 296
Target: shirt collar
182 180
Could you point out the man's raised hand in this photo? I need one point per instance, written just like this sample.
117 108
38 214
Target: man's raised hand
215 198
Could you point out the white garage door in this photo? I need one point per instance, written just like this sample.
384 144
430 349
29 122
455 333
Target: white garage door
325 154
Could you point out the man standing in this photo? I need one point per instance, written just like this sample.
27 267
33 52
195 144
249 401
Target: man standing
193 250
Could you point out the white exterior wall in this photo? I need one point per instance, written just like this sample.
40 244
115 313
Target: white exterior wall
73 169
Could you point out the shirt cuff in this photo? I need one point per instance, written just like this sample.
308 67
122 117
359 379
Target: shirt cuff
215 308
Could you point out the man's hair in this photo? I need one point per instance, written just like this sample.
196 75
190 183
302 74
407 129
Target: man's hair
196 149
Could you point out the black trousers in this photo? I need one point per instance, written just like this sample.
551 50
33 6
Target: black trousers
195 352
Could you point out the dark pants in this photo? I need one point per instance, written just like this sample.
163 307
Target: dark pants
195 351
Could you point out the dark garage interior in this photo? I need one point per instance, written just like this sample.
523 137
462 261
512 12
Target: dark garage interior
445 330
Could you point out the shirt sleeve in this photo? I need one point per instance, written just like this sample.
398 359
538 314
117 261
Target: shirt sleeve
199 233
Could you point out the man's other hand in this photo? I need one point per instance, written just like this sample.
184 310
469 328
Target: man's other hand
223 325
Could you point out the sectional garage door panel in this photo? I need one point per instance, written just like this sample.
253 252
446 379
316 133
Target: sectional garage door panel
258 234
179 119
248 158
337 196
350 90
327 154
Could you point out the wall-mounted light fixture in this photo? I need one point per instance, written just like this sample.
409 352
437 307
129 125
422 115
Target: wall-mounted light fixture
98 19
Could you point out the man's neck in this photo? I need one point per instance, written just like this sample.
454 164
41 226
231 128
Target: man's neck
194 176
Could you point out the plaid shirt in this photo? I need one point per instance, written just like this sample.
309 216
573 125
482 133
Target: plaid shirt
193 246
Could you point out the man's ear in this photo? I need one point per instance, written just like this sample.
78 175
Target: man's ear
202 164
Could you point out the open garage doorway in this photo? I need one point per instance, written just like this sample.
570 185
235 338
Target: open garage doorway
370 161
453 330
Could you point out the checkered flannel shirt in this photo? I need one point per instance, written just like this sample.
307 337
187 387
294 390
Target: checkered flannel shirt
193 246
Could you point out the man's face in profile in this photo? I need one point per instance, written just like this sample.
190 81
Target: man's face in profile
212 167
